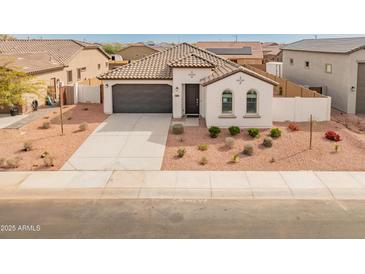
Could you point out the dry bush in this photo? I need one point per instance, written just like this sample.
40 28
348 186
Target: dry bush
83 126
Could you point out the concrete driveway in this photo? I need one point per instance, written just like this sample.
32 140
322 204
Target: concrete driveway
124 142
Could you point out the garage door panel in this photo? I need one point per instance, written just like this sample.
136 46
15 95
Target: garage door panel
128 98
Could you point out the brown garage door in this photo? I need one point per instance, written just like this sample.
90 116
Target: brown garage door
360 93
142 98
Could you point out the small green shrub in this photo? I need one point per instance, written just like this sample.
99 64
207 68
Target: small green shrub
229 142
275 132
203 147
214 132
337 148
253 132
83 126
267 142
46 125
48 160
181 152
236 158
13 162
44 154
27 146
248 150
203 161
234 130
178 129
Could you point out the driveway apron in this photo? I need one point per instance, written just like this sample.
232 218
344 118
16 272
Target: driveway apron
124 142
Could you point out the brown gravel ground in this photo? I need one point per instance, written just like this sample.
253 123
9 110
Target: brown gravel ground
290 151
50 140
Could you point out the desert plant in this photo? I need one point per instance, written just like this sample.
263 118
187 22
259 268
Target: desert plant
214 132
2 162
178 129
203 161
337 148
46 125
13 162
83 126
248 149
333 136
27 146
293 127
48 160
181 152
236 158
253 132
275 132
229 142
44 154
267 142
234 130
203 147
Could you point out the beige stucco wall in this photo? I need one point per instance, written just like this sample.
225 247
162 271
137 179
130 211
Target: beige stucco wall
336 84
89 58
239 117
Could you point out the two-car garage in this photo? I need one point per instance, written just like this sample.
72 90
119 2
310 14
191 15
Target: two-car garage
142 98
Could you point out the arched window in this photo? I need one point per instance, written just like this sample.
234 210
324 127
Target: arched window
227 100
251 102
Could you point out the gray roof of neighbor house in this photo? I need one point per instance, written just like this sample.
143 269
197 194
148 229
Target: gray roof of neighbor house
158 66
43 54
331 45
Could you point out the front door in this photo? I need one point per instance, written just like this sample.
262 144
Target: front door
192 99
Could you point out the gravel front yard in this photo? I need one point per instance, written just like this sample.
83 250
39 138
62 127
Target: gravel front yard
289 152
50 140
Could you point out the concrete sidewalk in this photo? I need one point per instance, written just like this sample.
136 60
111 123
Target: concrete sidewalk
183 185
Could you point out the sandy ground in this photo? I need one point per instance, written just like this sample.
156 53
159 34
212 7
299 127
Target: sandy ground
50 140
290 151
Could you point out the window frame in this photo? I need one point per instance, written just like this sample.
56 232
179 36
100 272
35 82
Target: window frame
69 79
325 68
256 102
227 91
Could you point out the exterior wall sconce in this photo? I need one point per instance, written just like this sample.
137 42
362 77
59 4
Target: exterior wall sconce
106 85
353 89
177 92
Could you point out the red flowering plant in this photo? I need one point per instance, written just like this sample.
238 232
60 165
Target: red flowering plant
333 136
293 127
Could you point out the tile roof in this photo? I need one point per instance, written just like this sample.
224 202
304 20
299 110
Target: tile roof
256 48
191 61
60 51
227 70
158 66
331 45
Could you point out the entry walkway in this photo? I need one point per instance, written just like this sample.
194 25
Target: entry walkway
183 185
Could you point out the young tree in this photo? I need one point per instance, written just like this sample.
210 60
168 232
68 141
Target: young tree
4 37
112 48
14 84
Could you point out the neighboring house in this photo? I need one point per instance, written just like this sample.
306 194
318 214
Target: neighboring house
238 52
186 80
137 51
336 67
272 52
69 61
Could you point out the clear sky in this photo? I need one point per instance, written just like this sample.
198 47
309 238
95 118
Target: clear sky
177 38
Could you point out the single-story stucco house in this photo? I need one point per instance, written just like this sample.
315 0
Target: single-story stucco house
186 80
189 81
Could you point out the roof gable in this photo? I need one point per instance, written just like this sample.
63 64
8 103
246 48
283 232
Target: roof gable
191 61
